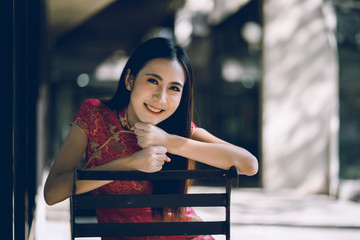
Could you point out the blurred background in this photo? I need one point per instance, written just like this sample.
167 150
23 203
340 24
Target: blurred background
279 78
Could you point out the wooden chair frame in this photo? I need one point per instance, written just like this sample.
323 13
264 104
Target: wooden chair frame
82 202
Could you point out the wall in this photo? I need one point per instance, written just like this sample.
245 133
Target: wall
299 96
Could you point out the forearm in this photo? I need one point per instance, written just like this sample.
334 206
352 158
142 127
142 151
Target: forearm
220 155
59 186
121 164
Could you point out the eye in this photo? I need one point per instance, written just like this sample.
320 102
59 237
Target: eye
175 88
154 81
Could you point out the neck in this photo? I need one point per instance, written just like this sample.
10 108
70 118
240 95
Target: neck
130 116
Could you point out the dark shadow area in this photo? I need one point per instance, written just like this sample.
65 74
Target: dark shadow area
348 37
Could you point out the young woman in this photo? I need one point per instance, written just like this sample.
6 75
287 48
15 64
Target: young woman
146 126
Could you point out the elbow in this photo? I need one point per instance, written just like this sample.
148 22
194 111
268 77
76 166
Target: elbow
49 201
250 167
253 167
50 196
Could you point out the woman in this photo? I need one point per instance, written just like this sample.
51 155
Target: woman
146 126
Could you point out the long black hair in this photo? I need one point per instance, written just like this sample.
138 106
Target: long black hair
178 123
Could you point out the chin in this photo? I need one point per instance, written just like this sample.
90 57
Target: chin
151 121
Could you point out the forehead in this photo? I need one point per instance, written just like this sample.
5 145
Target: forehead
168 70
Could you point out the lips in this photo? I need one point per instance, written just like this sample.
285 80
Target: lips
153 109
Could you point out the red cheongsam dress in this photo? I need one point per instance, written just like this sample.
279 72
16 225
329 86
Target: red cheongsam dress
110 139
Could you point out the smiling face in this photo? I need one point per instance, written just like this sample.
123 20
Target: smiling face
156 92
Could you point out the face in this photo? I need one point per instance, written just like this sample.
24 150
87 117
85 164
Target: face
156 91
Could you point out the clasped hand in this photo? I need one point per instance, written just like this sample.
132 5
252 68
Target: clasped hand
153 141
149 135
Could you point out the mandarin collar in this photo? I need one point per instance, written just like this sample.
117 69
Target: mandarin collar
123 119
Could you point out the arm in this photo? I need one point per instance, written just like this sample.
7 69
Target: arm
202 147
59 182
206 148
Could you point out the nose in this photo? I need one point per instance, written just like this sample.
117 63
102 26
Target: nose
160 96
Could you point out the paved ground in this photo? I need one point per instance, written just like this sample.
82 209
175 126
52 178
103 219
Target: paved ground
284 215
256 214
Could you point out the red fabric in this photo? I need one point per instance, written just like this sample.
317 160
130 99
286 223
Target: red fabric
109 140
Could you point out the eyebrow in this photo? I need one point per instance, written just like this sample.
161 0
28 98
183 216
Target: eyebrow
161 79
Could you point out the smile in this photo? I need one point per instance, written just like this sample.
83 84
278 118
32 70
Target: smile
153 109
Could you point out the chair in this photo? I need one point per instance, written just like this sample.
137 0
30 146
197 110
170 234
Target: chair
83 202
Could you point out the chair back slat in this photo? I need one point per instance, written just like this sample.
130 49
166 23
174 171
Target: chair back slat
82 203
149 229
154 201
161 175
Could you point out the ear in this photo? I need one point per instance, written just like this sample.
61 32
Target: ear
129 80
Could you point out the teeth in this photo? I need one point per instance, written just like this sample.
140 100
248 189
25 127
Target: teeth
153 109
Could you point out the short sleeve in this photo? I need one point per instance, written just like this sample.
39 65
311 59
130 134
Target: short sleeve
193 129
83 117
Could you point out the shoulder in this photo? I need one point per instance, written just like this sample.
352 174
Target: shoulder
91 103
100 113
92 116
88 111
94 105
193 128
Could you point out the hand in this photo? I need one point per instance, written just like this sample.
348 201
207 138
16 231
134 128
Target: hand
150 159
149 135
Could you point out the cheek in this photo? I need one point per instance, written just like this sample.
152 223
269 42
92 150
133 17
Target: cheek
175 101
137 94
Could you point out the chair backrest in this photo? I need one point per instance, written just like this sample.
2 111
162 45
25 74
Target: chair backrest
85 202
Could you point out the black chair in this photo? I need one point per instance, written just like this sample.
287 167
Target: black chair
85 202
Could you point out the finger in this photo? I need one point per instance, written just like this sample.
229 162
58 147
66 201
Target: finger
161 163
140 125
141 142
161 158
167 159
139 132
141 145
160 149
139 138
